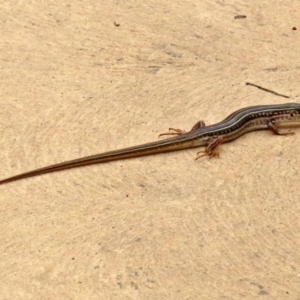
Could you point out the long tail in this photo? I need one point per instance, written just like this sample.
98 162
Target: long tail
170 144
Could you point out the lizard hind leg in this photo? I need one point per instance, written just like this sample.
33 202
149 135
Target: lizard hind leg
174 131
210 154
210 149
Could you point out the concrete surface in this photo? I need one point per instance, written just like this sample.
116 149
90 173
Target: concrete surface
82 77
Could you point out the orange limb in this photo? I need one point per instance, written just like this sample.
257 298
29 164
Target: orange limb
210 149
275 129
198 125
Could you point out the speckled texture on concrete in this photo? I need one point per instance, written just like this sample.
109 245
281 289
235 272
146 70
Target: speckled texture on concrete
82 77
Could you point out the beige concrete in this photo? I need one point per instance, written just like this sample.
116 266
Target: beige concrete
73 83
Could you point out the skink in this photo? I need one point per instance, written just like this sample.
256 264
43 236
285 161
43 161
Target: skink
244 120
